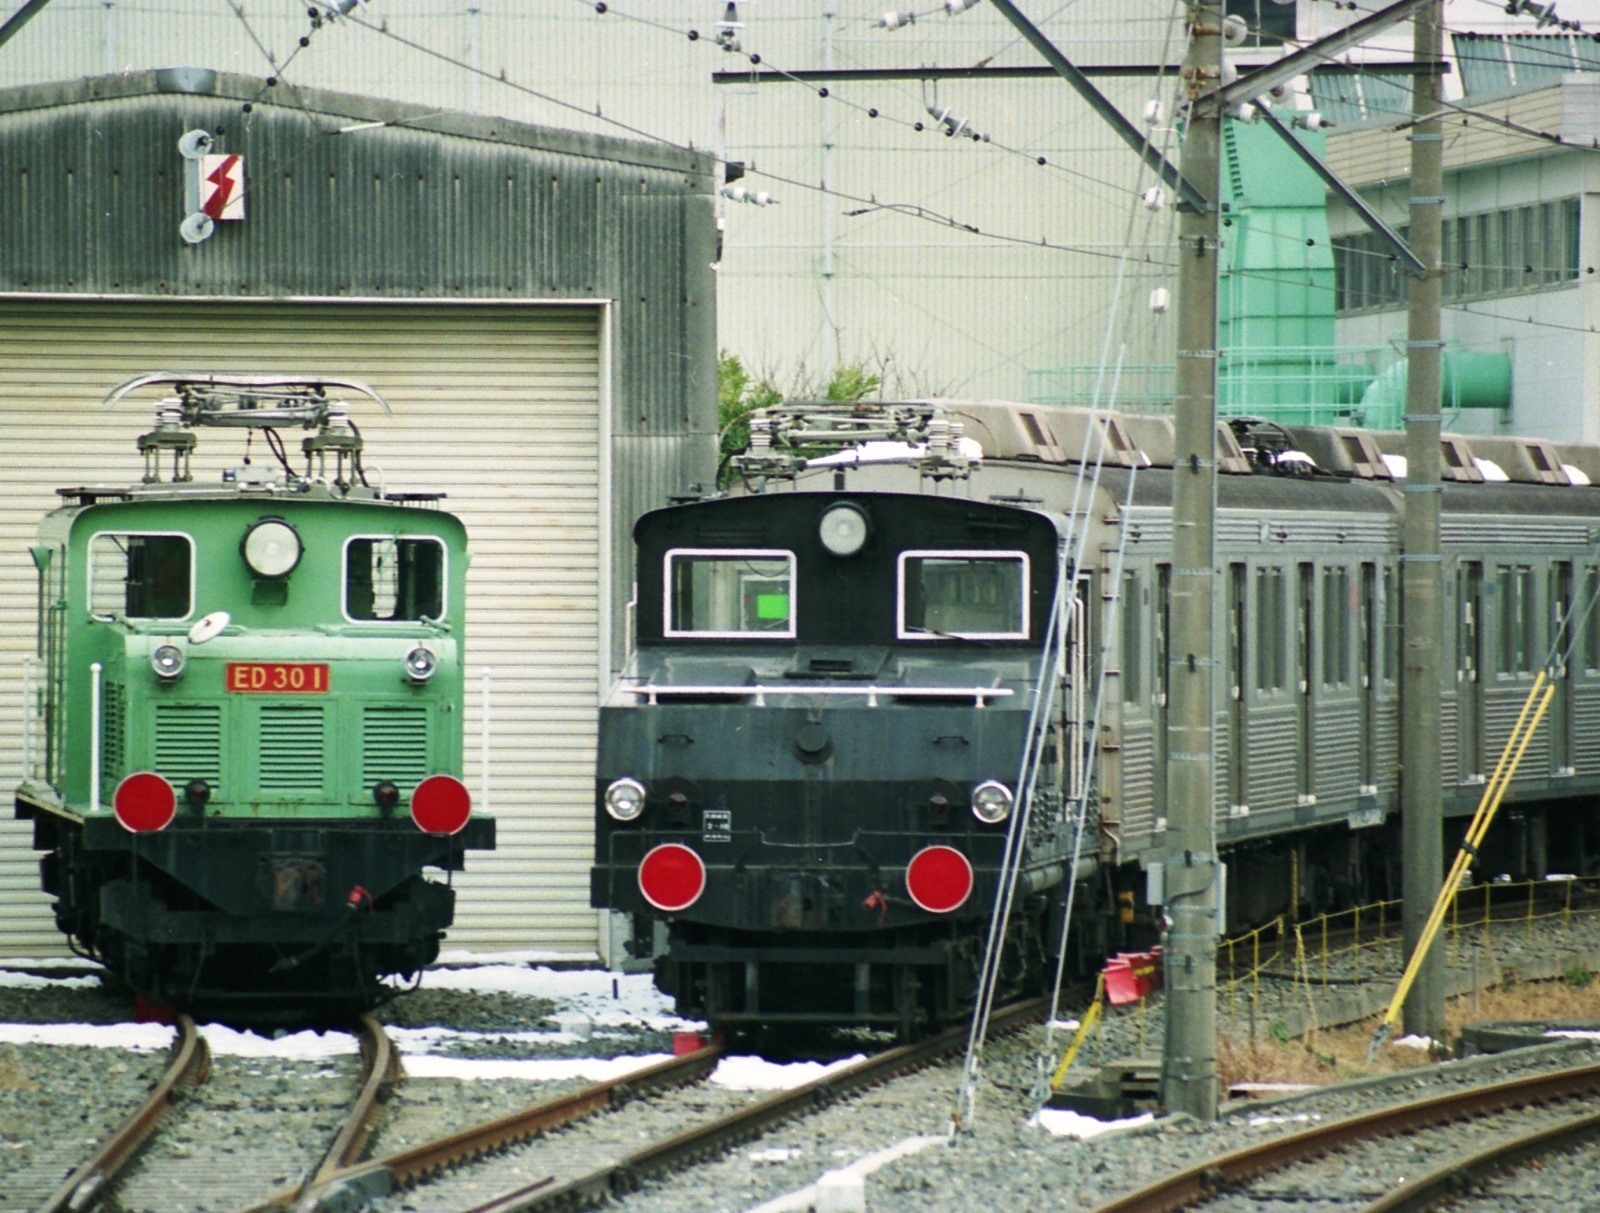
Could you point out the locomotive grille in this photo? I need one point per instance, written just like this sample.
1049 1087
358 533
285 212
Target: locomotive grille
291 748
394 746
189 742
114 729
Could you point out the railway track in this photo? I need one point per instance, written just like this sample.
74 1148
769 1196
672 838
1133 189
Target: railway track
380 1067
225 1173
1350 1163
191 1060
172 1165
1447 1183
355 1183
581 1172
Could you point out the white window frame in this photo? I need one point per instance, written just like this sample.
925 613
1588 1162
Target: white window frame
89 561
667 620
903 633
344 577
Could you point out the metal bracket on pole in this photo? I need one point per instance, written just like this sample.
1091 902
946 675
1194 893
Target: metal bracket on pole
1264 80
20 18
1130 134
1351 199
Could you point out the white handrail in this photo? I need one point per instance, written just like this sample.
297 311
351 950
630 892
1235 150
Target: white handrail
94 738
761 690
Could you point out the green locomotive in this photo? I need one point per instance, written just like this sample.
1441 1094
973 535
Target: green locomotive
240 688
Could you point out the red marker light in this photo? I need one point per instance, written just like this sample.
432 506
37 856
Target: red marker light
144 803
441 805
939 879
672 877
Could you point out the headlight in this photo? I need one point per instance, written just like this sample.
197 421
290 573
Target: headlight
843 529
168 660
271 548
624 799
421 662
991 802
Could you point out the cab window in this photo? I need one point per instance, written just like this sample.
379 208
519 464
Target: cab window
393 579
969 595
141 575
725 593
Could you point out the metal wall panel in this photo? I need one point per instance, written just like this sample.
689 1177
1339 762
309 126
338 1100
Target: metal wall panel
357 197
497 405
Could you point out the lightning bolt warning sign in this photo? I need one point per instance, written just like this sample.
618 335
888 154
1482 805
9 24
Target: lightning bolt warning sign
222 186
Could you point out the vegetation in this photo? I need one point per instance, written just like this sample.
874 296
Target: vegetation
740 393
1339 1053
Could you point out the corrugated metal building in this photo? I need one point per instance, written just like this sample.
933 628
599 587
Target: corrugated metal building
537 306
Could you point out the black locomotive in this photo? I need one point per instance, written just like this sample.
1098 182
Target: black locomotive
849 682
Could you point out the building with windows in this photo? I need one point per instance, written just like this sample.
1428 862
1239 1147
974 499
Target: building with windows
1521 238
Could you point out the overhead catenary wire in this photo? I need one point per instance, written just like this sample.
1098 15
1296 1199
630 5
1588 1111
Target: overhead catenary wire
873 204
1053 667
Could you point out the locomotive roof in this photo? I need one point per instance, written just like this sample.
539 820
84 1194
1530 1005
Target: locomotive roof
753 527
274 491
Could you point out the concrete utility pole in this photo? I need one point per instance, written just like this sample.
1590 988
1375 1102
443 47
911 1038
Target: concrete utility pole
1192 874
1421 678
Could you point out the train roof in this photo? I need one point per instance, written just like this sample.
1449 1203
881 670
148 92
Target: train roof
974 431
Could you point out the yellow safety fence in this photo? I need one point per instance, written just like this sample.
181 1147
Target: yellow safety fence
1358 944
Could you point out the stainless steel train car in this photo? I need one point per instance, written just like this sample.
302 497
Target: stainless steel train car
818 695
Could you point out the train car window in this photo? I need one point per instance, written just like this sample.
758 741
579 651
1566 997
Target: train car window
1515 594
729 593
141 576
1270 601
1131 608
966 595
389 578
1336 620
1391 624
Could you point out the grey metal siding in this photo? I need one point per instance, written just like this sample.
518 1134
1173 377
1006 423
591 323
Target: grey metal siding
406 203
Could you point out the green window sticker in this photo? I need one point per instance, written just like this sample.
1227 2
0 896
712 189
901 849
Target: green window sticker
772 606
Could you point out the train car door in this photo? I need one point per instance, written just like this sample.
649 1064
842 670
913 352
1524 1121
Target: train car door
1238 795
1305 693
1560 715
1367 680
1469 666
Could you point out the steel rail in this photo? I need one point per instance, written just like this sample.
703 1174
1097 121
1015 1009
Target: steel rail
1217 1175
622 1176
400 1170
380 1067
191 1062
1444 1184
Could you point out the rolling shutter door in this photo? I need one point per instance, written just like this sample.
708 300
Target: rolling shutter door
498 406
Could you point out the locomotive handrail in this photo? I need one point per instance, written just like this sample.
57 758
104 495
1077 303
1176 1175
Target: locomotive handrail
94 738
761 691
